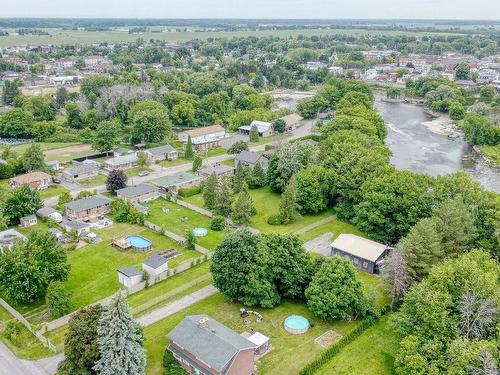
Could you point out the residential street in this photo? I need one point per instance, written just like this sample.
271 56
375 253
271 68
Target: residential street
11 365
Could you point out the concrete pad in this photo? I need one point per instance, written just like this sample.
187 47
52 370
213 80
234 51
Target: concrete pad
320 244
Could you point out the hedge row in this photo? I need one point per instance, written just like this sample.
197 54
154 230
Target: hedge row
189 192
333 350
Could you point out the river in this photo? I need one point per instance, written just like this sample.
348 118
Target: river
416 148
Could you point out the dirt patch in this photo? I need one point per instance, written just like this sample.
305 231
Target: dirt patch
327 338
66 152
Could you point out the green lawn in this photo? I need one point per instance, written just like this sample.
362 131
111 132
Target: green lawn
492 153
173 163
100 179
283 359
213 152
335 226
172 221
371 353
43 145
52 191
27 347
132 172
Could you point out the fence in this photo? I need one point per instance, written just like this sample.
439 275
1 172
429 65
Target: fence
14 141
194 208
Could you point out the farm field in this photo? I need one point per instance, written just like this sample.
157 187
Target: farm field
59 36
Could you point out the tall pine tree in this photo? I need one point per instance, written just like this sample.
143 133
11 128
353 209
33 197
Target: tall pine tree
257 178
223 198
188 152
120 342
243 207
210 191
288 207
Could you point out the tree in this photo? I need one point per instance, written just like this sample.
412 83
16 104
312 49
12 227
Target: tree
58 300
218 223
240 177
257 177
254 134
120 341
105 136
395 273
210 191
243 207
312 189
20 202
456 111
73 115
117 179
150 121
64 197
486 93
142 159
239 273
188 151
183 114
462 71
197 163
61 97
124 211
279 126
33 159
237 147
81 350
46 261
10 91
289 210
477 315
190 240
16 123
223 198
409 360
335 291
44 108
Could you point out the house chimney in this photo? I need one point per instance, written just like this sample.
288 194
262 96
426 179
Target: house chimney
203 323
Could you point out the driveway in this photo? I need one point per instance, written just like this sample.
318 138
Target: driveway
320 245
11 365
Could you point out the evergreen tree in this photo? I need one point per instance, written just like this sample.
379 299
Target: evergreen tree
116 180
243 207
10 91
120 342
197 163
254 134
223 198
188 152
210 191
239 178
288 207
257 178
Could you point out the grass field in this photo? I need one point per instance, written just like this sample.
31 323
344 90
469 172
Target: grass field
59 36
336 227
492 153
100 179
43 145
172 221
52 191
371 353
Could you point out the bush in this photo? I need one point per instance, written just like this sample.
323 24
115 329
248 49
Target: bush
58 300
172 367
189 192
190 240
274 220
237 147
218 223
12 332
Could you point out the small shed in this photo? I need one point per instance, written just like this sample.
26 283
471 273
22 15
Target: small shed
261 341
28 221
129 276
155 265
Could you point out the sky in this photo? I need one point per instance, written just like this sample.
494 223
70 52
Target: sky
310 9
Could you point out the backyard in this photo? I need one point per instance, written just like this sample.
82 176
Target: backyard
52 191
180 220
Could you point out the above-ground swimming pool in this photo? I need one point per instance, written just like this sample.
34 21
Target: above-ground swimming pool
296 324
139 243
200 232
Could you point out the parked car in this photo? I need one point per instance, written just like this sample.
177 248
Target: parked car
143 173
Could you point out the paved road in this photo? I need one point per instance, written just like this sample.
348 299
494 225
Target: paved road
11 365
177 305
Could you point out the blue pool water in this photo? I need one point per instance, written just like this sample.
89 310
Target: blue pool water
296 322
139 242
200 232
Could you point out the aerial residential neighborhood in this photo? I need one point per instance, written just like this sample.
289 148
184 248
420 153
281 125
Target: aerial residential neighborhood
239 193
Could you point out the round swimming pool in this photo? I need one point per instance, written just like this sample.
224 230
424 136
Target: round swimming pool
296 324
139 243
200 232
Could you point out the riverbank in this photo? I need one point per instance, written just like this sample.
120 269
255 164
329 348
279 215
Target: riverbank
442 124
491 154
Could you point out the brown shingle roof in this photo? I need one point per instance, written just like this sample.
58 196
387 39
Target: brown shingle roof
205 130
30 177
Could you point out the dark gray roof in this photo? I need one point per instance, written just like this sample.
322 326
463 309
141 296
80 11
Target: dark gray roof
74 224
45 211
155 261
82 168
215 344
217 169
54 231
130 271
87 203
136 191
165 149
248 157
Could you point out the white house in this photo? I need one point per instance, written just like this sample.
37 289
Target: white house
155 265
265 128
129 276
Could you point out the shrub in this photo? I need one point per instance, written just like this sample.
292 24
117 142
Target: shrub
218 223
274 220
58 300
190 240
172 367
189 192
237 147
12 332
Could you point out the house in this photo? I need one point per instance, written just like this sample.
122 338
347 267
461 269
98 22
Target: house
54 165
155 265
265 129
178 181
292 121
249 159
160 153
8 237
486 76
79 226
36 180
129 276
204 138
139 193
121 162
88 209
49 213
28 221
80 172
365 254
218 169
202 345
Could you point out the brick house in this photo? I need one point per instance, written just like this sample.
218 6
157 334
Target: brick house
80 172
161 153
88 209
36 180
204 346
204 138
121 162
139 193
